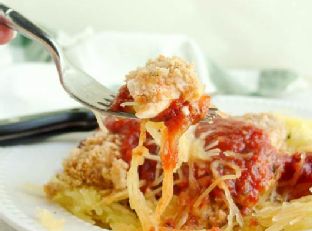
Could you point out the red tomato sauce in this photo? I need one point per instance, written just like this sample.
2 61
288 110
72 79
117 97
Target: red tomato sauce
257 158
122 97
129 130
232 135
175 119
296 178
258 162
178 117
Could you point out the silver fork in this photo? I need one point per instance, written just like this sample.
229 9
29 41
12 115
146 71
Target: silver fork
78 84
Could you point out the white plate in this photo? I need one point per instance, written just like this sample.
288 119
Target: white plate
37 163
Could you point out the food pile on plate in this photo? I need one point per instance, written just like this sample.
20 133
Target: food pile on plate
169 169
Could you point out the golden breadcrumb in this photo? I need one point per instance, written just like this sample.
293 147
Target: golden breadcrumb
96 162
160 81
119 174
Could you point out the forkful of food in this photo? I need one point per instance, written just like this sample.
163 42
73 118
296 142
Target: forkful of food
164 86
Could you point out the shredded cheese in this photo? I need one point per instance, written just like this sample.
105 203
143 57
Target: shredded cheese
233 210
194 148
238 155
126 104
152 157
296 175
155 130
211 145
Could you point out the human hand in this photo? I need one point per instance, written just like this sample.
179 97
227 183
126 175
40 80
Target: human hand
6 34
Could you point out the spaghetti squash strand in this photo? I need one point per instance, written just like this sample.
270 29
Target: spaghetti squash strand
233 210
211 187
292 215
159 132
136 198
167 193
167 184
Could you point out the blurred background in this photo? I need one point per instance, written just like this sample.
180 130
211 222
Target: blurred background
240 33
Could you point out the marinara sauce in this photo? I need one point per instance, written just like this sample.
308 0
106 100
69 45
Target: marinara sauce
178 117
247 147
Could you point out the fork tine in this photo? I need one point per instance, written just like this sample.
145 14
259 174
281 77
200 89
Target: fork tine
108 100
104 104
209 120
213 109
212 114
110 97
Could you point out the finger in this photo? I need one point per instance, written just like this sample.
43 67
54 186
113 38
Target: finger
6 34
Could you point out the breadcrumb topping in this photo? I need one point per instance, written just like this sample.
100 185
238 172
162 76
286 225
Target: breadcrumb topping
160 81
96 162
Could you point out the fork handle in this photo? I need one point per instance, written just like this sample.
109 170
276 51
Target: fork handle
19 23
